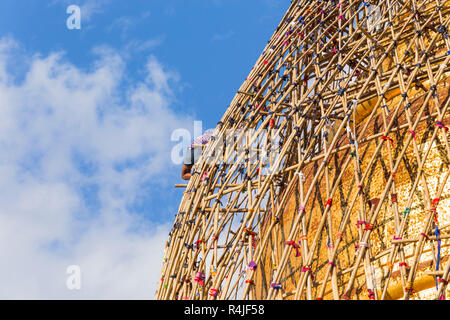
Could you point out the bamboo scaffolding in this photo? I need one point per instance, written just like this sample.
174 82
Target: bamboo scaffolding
334 184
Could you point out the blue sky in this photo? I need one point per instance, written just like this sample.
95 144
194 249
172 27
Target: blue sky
212 44
86 174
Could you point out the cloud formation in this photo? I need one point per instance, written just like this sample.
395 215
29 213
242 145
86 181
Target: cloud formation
89 8
77 146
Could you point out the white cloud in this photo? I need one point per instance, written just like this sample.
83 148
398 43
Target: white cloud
89 8
65 131
92 7
136 46
222 36
124 24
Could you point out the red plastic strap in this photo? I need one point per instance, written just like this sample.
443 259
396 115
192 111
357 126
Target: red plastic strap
435 202
386 138
253 234
329 202
250 232
409 287
214 239
213 292
199 278
197 243
361 189
394 198
441 125
360 222
306 269
369 226
294 246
